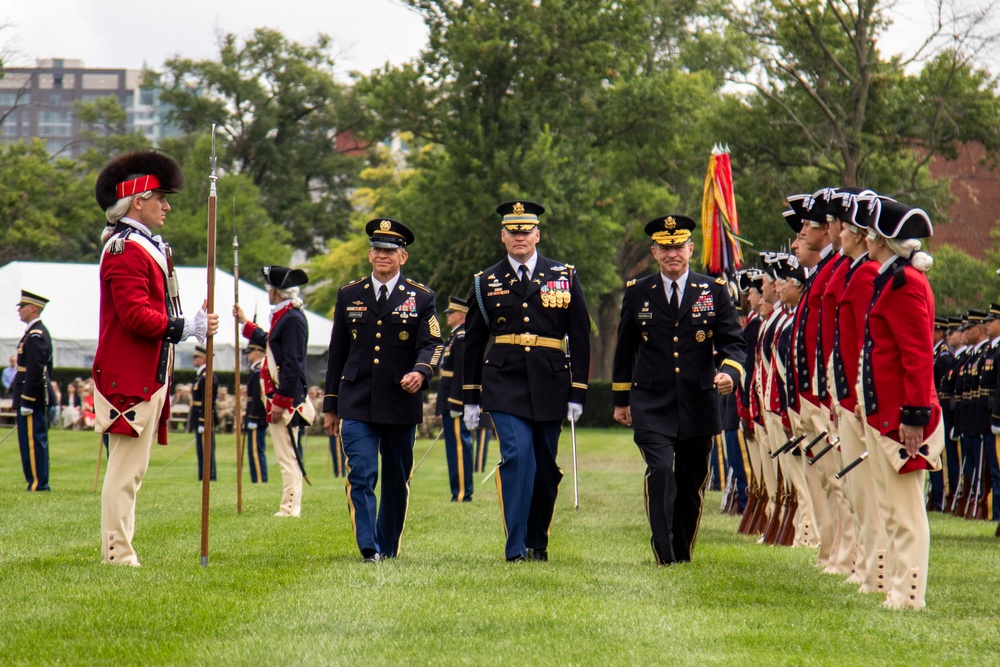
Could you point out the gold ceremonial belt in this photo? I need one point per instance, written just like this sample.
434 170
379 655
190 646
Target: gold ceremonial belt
529 340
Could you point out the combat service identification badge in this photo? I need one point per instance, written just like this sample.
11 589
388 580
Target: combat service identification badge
700 336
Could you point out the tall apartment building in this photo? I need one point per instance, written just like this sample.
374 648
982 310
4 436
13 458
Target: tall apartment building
38 102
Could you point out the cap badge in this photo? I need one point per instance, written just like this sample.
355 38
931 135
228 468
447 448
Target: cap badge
385 225
670 223
518 208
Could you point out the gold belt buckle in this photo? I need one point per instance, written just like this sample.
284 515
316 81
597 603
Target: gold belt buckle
529 339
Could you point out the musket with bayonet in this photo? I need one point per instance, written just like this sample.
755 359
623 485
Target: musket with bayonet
237 426
206 441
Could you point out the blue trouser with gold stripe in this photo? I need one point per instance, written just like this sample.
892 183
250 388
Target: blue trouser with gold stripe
458 451
482 438
33 437
257 453
338 457
378 529
527 480
201 454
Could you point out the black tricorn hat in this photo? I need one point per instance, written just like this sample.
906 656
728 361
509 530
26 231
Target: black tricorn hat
812 208
899 221
388 233
520 216
137 172
845 203
282 277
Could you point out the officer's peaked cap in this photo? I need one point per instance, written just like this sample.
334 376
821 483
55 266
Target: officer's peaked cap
669 230
519 216
32 298
137 172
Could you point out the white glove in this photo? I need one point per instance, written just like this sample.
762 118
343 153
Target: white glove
26 412
201 429
454 414
197 326
471 417
251 426
995 430
953 435
574 412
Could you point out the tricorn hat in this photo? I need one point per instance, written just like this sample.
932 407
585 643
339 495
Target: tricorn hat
520 216
899 221
137 172
282 277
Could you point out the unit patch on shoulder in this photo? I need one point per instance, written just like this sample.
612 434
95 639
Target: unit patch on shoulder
720 281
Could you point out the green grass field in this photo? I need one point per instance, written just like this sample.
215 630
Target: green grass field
294 592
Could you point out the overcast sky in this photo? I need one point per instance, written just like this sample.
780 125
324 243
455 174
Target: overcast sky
366 33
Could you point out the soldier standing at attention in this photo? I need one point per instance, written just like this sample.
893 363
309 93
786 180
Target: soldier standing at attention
138 328
283 378
457 438
675 326
196 418
256 418
31 391
385 345
529 381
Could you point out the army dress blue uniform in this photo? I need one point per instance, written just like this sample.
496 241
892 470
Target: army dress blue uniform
527 379
665 365
372 348
31 392
457 438
255 425
196 417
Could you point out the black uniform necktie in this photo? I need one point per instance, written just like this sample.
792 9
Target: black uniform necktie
524 274
674 302
383 296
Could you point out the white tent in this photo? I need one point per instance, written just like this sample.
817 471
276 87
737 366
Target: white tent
72 315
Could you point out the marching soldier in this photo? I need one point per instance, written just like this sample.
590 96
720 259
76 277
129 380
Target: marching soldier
457 438
967 425
283 378
947 398
196 417
385 345
31 391
903 428
255 421
679 347
139 324
988 475
529 381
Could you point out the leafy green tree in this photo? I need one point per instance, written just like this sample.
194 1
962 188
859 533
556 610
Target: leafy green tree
961 282
593 113
104 130
47 210
279 110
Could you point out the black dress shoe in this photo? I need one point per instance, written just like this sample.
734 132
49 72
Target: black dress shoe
539 554
370 556
516 559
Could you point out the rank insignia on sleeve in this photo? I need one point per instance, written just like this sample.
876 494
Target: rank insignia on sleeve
435 326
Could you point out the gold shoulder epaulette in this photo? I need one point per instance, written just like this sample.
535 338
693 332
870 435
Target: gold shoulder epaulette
630 283
478 274
570 267
720 281
353 282
35 332
416 284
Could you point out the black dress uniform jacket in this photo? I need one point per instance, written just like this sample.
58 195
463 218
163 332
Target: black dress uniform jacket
528 381
449 395
371 349
255 404
665 365
34 368
196 417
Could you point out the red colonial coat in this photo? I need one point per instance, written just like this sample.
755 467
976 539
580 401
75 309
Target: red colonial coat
850 332
133 347
806 333
898 368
